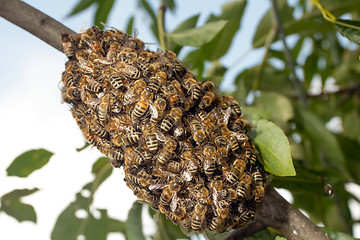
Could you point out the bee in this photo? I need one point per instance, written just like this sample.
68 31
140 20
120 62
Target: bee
207 86
133 158
119 124
228 194
193 88
133 93
97 128
136 180
131 138
197 222
171 94
227 134
243 187
208 125
73 93
248 149
93 139
191 162
164 209
68 79
210 158
128 70
94 86
111 36
157 81
258 193
235 108
103 110
143 62
151 140
173 117
239 125
257 178
221 146
170 191
127 57
113 50
245 217
82 57
207 100
143 104
116 80
230 175
174 167
135 44
239 166
252 159
176 64
165 154
197 130
221 214
67 44
159 110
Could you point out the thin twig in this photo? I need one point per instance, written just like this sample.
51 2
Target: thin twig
290 62
161 24
277 213
35 22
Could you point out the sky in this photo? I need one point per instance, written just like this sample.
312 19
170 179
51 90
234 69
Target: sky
33 116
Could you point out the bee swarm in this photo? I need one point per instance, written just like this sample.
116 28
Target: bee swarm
184 149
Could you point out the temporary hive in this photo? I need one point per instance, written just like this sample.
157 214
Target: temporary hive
184 149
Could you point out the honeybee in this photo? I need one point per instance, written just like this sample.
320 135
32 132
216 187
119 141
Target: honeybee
191 162
97 128
197 130
159 110
93 139
221 214
116 80
221 146
171 94
131 138
208 125
165 153
67 44
228 194
243 187
143 61
244 217
68 79
174 167
227 134
258 193
94 86
239 125
207 86
127 57
248 148
209 161
133 158
111 36
143 104
73 93
197 222
193 88
235 107
239 166
173 117
133 93
207 100
103 110
257 178
82 57
176 64
135 44
117 124
113 50
252 159
164 209
137 180
230 175
128 70
170 191
151 140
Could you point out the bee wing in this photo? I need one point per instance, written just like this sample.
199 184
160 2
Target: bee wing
186 176
174 202
153 110
157 186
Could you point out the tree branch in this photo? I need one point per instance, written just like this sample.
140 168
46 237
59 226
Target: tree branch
290 62
35 22
277 213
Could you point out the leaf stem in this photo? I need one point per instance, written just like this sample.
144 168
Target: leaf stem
161 24
290 62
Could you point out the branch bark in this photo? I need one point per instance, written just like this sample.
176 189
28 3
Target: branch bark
35 22
277 213
274 212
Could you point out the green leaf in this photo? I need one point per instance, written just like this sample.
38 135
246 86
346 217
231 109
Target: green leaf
81 6
102 12
280 238
347 31
134 224
197 37
277 105
274 148
102 169
11 205
166 230
86 144
28 162
334 235
130 26
325 140
310 67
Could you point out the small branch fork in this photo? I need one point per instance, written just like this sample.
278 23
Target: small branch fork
274 212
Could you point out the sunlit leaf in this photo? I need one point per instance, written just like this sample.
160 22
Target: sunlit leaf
102 12
28 162
347 31
81 6
134 224
274 148
11 204
197 37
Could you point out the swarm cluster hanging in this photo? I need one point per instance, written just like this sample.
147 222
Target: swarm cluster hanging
184 149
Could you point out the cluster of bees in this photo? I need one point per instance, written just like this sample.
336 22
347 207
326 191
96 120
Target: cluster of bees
183 148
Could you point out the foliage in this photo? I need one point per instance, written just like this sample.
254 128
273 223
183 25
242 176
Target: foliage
324 158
